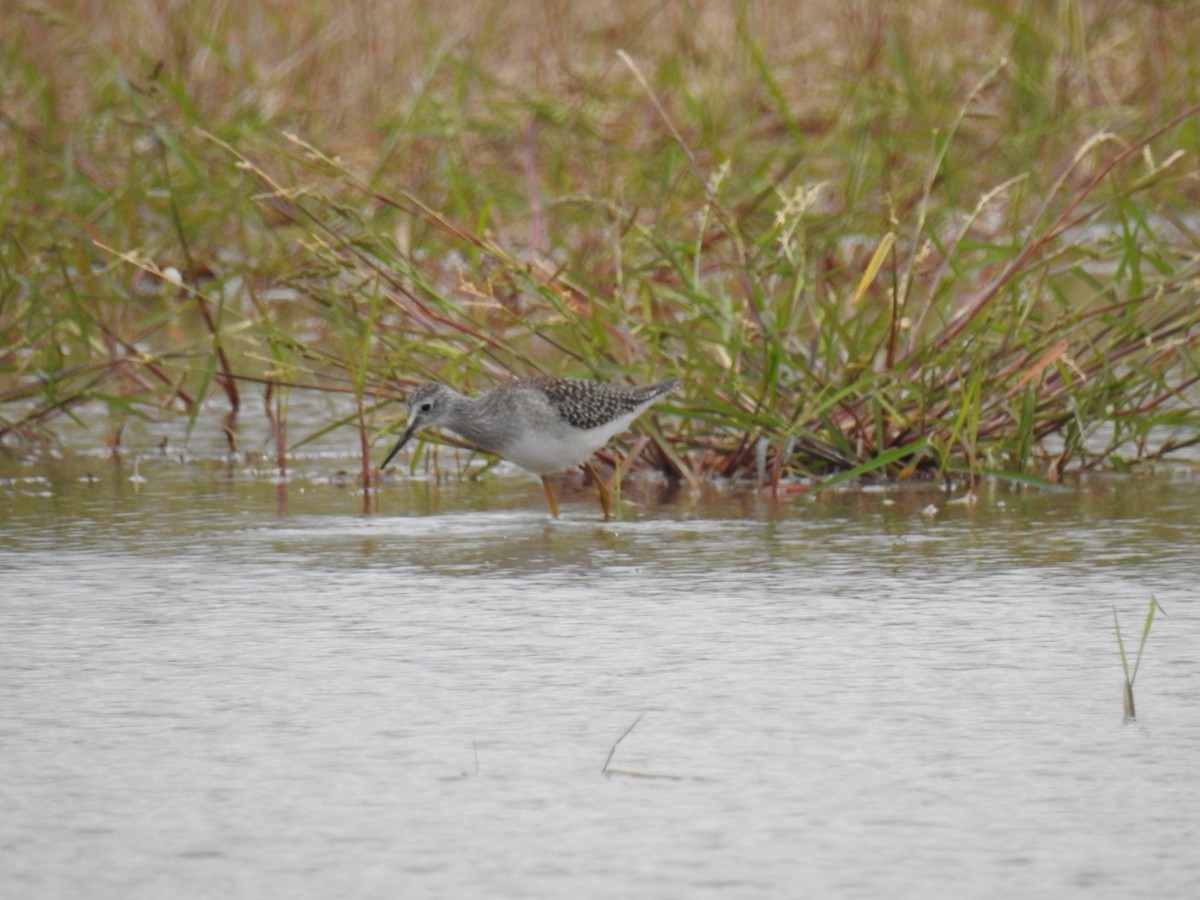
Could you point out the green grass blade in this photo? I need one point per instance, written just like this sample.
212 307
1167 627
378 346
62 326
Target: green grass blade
883 460
1121 647
1145 634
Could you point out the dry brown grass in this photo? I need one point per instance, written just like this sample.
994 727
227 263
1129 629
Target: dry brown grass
346 72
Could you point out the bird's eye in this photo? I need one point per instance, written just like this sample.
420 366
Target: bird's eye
426 406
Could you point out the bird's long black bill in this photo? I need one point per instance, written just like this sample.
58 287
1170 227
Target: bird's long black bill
399 445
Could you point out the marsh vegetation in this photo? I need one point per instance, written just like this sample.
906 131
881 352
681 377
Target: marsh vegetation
910 239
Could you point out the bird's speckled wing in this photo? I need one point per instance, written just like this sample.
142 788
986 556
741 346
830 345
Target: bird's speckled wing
587 404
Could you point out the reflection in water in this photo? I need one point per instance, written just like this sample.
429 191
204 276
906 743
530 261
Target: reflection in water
205 696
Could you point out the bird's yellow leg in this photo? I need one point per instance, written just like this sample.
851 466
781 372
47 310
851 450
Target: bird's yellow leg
605 491
550 496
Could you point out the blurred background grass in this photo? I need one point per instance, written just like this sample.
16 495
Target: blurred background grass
825 215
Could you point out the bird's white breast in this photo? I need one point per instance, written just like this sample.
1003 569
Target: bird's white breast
545 452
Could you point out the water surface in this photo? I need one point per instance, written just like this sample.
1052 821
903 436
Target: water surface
215 684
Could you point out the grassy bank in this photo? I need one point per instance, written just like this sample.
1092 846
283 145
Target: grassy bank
912 238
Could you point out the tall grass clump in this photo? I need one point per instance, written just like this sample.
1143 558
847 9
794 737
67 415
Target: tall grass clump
875 238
